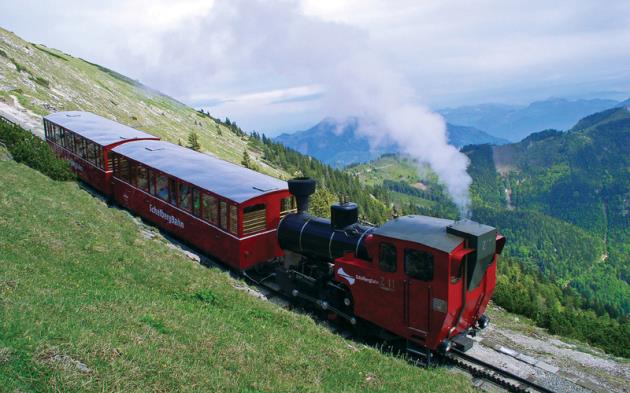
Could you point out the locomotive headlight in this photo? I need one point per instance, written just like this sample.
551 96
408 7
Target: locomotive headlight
483 322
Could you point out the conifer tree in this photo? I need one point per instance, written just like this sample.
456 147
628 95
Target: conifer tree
321 201
193 141
246 161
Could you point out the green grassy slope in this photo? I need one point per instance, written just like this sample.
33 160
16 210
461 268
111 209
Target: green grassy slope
42 80
79 283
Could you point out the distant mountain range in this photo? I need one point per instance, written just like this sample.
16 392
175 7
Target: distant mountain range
516 122
337 143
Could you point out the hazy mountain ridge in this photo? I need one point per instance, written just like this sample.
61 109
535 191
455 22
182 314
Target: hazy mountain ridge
515 122
337 143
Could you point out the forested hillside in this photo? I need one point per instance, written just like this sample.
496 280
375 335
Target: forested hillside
563 201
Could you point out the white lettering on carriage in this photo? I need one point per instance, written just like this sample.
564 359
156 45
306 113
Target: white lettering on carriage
167 217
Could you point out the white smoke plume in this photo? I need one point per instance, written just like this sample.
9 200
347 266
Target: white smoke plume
387 109
264 44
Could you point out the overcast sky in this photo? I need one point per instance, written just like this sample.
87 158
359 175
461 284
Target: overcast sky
283 65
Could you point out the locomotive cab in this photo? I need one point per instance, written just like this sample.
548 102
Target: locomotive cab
427 279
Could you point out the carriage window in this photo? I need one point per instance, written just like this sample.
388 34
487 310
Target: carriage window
99 156
133 173
287 205
387 257
162 186
88 149
122 168
419 264
143 177
209 208
172 192
196 203
107 162
79 148
151 177
233 219
56 133
184 196
69 141
66 139
223 215
254 218
91 157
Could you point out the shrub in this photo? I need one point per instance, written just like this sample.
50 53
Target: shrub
34 152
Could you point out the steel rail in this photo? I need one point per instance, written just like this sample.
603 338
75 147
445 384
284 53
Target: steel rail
455 356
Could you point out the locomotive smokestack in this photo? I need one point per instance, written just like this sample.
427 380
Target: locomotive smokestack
302 188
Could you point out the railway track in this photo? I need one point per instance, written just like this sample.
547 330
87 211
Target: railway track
496 375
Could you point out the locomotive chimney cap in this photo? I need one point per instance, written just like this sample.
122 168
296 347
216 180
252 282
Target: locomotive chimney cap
302 188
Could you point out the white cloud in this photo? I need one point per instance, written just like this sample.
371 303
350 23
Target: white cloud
452 52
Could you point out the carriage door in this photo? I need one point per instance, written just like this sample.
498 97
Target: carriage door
419 271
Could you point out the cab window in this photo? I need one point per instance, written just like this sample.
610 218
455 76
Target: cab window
387 257
419 264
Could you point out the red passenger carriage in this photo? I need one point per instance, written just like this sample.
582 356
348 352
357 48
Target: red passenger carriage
221 208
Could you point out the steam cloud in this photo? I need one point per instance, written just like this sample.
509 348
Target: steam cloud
387 111
264 44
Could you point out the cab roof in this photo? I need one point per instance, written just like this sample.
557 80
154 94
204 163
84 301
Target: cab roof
96 128
229 180
425 230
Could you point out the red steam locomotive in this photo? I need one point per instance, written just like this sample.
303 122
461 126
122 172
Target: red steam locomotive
422 279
